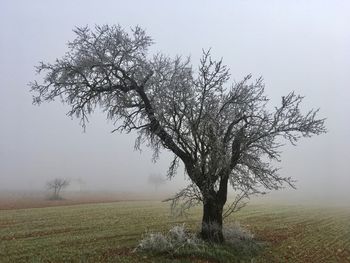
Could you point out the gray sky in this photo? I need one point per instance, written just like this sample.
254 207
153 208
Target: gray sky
295 45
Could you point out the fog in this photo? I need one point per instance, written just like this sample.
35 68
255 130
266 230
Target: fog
295 45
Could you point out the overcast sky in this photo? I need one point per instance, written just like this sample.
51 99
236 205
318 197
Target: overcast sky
295 45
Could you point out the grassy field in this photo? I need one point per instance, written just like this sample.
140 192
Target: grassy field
108 232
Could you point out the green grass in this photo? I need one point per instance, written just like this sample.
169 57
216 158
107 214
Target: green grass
108 233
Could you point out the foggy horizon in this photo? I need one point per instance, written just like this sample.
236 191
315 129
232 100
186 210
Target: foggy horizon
295 46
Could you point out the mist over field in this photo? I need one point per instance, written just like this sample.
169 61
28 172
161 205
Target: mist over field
298 45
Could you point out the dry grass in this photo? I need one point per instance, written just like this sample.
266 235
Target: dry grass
108 232
23 200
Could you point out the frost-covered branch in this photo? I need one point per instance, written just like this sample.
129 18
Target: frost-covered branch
185 199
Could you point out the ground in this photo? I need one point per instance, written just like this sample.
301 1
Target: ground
108 232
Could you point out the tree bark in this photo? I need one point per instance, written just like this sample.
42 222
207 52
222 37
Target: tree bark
212 221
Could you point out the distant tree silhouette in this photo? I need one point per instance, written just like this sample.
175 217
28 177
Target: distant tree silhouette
156 180
56 185
81 183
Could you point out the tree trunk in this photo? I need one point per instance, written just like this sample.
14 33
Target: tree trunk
212 221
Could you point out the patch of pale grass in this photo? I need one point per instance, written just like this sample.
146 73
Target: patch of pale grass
178 237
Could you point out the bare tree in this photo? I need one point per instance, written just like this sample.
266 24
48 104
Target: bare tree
223 133
156 180
81 183
56 185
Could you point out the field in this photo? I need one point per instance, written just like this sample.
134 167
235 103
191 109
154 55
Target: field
108 232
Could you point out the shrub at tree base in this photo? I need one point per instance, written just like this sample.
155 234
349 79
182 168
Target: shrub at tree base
179 241
178 237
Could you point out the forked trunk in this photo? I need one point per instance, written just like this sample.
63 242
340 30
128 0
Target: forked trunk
212 221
